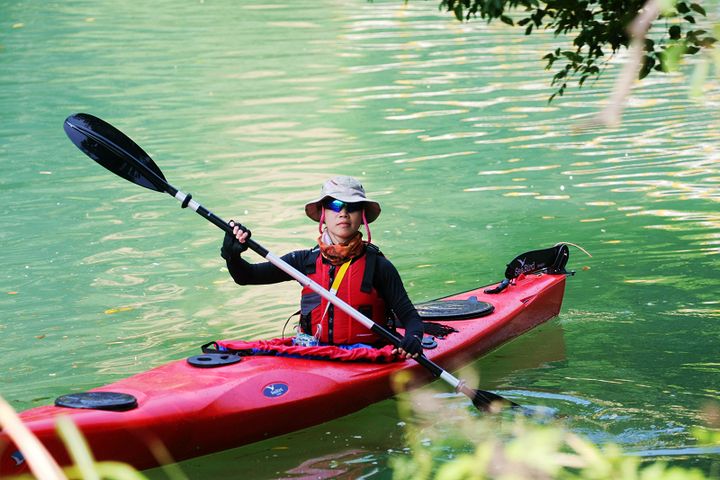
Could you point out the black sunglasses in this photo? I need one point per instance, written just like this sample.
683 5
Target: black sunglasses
337 205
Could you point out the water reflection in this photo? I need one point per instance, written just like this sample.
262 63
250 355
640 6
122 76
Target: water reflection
349 464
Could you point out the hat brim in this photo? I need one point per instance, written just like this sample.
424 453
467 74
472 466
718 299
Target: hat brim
313 209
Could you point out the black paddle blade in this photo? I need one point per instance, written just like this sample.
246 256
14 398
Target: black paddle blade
112 149
487 401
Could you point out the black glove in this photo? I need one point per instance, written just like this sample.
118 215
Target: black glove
412 343
231 248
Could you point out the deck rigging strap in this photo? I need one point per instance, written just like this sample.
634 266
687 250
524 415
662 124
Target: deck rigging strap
437 329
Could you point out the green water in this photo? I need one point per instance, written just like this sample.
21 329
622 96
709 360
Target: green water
251 105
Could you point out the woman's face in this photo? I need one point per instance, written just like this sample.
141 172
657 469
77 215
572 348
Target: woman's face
342 225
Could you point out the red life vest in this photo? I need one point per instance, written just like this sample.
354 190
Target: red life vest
335 326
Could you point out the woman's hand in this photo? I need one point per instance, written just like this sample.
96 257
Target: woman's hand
236 243
241 234
410 346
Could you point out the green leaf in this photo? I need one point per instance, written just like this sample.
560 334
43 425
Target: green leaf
667 7
573 56
706 436
506 19
675 32
463 466
458 11
697 8
120 471
78 448
671 56
647 66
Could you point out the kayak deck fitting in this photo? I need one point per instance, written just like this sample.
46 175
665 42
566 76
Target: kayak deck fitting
194 411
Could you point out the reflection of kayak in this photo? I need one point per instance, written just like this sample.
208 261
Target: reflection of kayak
193 411
537 349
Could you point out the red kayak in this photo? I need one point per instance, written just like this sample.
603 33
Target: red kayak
193 409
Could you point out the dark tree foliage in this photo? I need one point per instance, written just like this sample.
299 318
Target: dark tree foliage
599 26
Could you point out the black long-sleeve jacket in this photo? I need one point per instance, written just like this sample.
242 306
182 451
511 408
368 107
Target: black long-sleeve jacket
386 281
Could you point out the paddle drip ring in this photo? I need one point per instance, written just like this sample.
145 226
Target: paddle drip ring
185 202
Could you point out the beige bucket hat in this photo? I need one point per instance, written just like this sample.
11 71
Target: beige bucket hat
346 189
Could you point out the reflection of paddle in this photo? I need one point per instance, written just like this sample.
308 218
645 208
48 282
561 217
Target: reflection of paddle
115 151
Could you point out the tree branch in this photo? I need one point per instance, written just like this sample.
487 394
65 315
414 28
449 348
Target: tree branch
610 115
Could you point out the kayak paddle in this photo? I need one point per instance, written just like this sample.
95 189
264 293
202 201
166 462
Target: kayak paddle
112 149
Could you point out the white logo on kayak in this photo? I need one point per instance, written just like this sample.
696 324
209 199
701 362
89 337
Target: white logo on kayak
527 267
18 457
274 390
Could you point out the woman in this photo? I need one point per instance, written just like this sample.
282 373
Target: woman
342 262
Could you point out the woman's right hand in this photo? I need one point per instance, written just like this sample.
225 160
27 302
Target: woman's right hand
236 243
241 234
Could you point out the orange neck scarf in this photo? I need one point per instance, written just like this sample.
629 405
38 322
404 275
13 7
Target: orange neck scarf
339 254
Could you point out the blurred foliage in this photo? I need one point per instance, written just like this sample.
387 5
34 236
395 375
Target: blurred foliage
600 30
85 467
513 446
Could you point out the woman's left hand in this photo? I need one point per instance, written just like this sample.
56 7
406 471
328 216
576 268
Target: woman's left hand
410 347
